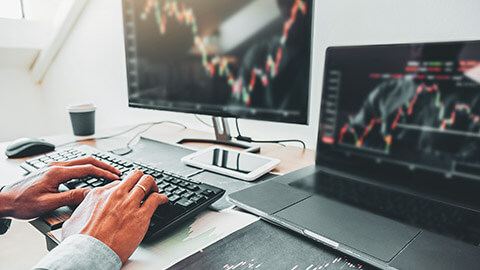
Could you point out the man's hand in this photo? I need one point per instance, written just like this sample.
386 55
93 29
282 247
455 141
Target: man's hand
115 215
38 194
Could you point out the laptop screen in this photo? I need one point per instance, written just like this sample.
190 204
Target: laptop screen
415 105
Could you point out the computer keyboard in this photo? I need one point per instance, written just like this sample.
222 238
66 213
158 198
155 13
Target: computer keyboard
186 196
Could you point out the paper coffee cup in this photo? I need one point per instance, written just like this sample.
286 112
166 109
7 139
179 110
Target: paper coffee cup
82 117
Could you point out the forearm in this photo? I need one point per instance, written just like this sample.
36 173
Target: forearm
4 212
81 252
5 204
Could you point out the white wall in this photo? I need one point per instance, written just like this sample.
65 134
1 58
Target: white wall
21 105
91 64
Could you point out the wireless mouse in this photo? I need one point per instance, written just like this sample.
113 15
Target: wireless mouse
26 147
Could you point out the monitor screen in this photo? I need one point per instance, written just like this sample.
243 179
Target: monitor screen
242 58
416 105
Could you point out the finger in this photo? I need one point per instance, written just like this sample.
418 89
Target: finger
152 202
112 185
72 197
130 181
137 193
85 161
63 174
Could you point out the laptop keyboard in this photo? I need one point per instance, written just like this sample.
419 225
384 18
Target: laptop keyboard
186 196
454 222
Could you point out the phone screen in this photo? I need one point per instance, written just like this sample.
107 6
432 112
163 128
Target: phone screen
234 161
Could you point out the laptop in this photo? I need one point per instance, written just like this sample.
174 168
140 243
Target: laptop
396 181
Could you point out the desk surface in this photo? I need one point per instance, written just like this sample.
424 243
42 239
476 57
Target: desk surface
23 246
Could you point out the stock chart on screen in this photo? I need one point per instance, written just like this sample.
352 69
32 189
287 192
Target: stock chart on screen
413 103
247 58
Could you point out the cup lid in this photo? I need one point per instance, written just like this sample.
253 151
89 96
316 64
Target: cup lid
77 108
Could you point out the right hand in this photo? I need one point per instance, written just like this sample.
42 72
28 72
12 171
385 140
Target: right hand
115 215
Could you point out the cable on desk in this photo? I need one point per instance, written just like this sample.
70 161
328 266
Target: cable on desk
202 121
128 149
195 173
250 140
120 133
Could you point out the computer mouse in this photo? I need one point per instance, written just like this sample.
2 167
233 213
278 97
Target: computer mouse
26 147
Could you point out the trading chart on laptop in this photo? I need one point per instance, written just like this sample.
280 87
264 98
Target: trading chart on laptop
413 103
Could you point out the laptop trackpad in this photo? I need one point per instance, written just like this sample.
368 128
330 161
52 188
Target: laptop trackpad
374 235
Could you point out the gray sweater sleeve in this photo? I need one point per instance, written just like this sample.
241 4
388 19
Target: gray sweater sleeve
81 252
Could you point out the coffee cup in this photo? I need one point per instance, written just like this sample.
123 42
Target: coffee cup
82 117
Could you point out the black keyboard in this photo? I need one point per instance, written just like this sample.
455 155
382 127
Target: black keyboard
186 196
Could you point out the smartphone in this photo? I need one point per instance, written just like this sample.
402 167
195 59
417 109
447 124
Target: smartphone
242 165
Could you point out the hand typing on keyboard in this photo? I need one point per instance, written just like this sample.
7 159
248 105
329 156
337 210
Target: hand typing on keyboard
115 214
186 196
38 193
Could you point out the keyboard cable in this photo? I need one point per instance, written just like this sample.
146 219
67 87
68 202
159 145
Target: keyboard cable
150 124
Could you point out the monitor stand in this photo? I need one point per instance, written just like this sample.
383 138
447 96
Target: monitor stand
223 137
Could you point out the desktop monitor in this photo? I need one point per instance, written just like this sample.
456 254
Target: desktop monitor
242 58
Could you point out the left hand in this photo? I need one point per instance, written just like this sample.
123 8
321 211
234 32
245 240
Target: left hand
38 194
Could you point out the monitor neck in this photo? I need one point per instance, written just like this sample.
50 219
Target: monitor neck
223 136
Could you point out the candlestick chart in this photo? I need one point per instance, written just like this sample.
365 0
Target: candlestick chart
173 11
444 119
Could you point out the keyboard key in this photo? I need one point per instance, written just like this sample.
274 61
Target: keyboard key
170 189
183 183
163 185
187 194
38 164
81 185
97 184
179 191
185 203
193 187
208 193
72 183
198 199
91 181
174 198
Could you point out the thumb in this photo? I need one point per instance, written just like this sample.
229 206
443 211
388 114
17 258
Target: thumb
72 197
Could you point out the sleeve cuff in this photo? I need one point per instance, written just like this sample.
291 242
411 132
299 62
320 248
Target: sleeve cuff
81 252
